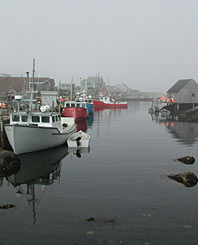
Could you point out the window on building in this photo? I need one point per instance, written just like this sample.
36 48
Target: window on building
193 95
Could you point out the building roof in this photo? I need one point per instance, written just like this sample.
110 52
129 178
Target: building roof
8 84
18 84
179 85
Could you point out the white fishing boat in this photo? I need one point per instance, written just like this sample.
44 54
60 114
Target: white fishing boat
78 140
30 131
35 131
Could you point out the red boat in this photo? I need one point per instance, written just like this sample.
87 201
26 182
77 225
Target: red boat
106 102
73 109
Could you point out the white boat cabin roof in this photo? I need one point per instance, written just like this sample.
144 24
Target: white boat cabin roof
78 103
84 100
75 104
46 119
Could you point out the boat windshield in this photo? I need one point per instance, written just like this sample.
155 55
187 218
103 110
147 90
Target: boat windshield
45 119
15 118
35 119
24 118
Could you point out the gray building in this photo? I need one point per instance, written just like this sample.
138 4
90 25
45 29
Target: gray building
92 85
10 86
184 91
66 89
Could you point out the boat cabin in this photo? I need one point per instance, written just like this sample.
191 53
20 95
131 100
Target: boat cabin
75 104
106 99
36 119
88 101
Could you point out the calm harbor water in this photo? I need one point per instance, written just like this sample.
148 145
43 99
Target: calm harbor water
122 182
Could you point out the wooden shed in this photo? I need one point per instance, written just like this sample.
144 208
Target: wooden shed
184 91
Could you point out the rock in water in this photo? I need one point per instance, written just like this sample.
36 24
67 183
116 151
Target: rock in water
9 163
90 219
6 206
187 178
187 159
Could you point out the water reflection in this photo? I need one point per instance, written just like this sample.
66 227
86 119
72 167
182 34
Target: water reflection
39 170
38 165
185 132
90 119
82 125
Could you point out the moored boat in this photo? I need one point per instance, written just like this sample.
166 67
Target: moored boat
79 139
30 131
106 102
35 131
85 99
88 103
76 110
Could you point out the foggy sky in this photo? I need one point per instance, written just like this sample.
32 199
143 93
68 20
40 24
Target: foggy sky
147 44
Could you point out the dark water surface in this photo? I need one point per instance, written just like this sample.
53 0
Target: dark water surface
122 182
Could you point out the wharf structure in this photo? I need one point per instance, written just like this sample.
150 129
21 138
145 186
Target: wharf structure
185 94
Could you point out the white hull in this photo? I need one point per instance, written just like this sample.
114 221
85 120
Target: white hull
84 142
73 144
25 138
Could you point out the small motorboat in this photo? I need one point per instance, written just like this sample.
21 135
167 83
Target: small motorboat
78 140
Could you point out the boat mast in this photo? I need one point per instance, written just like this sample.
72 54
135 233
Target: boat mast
71 95
33 72
32 86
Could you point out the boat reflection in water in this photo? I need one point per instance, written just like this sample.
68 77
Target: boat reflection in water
108 108
39 170
78 151
82 125
90 119
38 165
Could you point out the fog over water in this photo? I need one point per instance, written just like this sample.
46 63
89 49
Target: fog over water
148 45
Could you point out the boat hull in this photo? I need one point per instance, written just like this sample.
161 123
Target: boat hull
25 139
82 138
78 113
101 104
